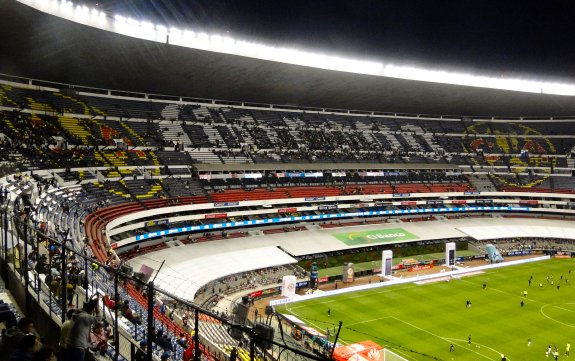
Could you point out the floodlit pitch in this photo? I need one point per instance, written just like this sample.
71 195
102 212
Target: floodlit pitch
420 322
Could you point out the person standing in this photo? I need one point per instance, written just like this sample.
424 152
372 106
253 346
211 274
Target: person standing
529 342
469 340
141 351
63 343
329 312
451 348
567 348
79 333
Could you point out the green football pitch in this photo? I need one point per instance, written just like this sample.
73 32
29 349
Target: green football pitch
420 322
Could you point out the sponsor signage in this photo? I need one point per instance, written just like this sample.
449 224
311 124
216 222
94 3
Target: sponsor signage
528 201
297 218
382 204
435 201
226 204
303 175
287 210
253 175
375 236
519 253
301 284
322 279
420 267
459 201
338 174
215 215
484 201
401 194
314 199
408 203
471 193
327 207
157 222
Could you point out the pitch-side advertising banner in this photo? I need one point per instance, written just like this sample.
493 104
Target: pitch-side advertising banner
376 236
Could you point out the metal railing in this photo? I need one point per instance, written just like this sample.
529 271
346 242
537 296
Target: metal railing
58 273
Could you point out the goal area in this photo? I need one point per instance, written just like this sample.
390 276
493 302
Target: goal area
388 355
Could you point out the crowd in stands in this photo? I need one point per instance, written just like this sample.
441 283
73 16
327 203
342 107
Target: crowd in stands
50 140
529 244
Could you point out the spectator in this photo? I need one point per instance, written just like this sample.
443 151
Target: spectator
79 333
234 354
44 354
165 356
7 315
98 341
11 338
110 303
141 352
13 256
164 341
64 332
182 340
130 315
25 350
189 353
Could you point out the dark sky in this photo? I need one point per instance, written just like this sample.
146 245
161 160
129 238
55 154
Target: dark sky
518 38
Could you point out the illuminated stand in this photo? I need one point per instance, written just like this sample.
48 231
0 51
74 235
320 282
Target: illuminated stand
450 254
386 263
288 286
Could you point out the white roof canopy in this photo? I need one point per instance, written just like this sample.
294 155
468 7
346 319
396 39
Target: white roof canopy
185 273
513 231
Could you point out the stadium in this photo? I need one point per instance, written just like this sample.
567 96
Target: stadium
191 195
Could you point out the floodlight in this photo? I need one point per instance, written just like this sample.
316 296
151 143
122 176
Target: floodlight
189 35
120 18
223 44
176 31
133 22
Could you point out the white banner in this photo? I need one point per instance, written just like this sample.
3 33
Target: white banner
288 286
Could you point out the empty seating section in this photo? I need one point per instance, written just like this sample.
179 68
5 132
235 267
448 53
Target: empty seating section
271 119
229 136
198 136
173 158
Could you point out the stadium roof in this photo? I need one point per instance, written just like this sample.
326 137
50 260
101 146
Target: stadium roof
42 46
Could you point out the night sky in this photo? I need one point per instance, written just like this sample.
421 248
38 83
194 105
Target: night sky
511 38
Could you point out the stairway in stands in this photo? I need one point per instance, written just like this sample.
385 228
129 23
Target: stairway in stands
174 132
482 183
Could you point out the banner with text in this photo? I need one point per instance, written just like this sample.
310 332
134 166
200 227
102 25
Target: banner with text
376 236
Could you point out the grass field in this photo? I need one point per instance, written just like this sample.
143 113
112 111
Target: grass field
419 322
